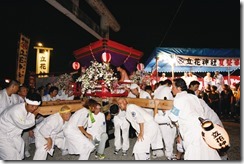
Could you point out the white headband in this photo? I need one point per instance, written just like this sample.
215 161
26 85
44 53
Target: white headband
28 101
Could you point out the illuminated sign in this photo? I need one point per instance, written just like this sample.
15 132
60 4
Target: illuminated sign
42 61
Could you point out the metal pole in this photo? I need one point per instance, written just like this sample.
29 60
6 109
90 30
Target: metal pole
228 75
157 69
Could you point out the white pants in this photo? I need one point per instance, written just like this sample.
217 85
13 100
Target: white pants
125 134
101 143
26 139
11 148
40 141
142 156
168 135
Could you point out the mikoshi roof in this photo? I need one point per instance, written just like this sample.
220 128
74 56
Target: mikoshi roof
193 60
120 54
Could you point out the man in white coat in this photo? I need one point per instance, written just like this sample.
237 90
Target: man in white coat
148 132
96 127
8 95
120 125
77 140
48 131
168 130
12 123
186 111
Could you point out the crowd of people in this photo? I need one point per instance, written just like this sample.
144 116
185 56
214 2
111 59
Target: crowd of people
86 130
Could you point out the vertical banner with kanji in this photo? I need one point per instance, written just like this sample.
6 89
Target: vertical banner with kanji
22 58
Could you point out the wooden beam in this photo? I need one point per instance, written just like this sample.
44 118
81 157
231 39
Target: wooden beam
52 107
60 102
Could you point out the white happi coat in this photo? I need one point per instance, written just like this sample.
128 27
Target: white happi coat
187 109
51 126
98 127
163 91
76 141
12 122
145 95
210 113
152 136
6 101
121 124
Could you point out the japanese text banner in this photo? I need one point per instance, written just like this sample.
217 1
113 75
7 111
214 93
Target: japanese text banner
207 61
22 58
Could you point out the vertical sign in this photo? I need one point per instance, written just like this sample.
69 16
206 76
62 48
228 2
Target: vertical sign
22 58
42 61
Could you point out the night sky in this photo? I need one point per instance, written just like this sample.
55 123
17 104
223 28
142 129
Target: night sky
144 24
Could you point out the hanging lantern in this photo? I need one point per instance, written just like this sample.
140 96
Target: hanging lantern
140 67
214 135
76 65
106 57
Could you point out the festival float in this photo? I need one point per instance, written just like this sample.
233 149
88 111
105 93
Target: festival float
98 79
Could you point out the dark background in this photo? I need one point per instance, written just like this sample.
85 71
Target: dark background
144 25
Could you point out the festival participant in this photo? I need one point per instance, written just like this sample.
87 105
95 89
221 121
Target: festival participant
131 130
148 132
226 101
186 78
67 93
210 114
123 74
120 125
52 94
214 99
139 93
49 133
163 77
13 121
96 127
219 81
41 90
8 95
168 130
193 87
164 90
78 141
191 77
148 89
187 109
22 92
47 88
207 79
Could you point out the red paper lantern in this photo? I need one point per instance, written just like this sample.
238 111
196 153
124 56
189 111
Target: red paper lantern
76 65
106 57
140 66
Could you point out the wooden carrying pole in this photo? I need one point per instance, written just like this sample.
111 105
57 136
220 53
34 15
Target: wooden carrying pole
52 107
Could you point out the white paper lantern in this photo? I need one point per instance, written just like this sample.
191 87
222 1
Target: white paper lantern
214 135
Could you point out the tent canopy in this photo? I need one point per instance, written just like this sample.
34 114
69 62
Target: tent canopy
193 60
120 54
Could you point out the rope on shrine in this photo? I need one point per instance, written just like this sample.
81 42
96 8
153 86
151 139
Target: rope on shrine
127 56
92 53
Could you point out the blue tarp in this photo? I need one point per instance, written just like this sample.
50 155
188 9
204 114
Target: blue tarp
167 52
